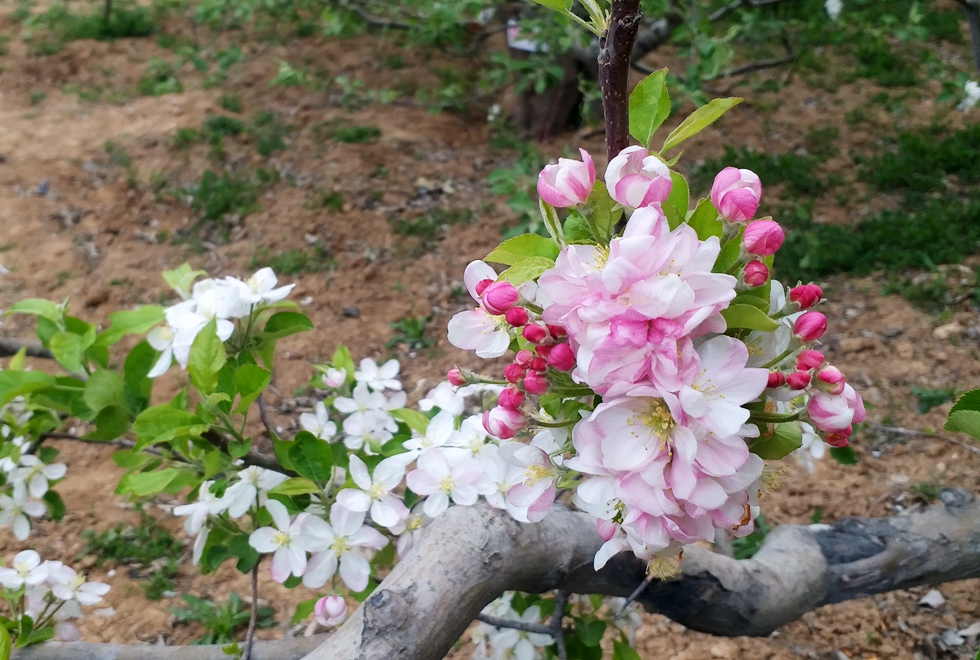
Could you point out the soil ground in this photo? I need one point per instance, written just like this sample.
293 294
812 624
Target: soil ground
101 237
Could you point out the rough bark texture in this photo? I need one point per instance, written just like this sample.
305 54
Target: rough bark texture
615 56
293 648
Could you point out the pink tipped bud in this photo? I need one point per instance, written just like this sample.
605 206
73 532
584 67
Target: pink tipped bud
534 333
544 350
763 237
798 380
830 380
517 316
561 357
809 360
330 611
511 398
335 377
839 438
524 357
569 182
736 194
499 297
806 295
755 273
538 364
637 179
776 379
482 285
810 326
536 383
514 373
455 376
503 422
556 331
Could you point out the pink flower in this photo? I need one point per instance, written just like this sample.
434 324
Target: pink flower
636 179
806 295
499 297
561 357
537 489
455 376
763 238
798 380
755 273
836 412
809 360
514 372
736 193
839 438
511 398
534 333
517 317
569 182
503 422
810 326
830 380
776 379
441 480
478 330
535 383
330 611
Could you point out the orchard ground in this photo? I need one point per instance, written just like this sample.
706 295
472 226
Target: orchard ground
376 230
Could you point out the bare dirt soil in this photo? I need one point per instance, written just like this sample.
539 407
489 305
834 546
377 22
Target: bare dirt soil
101 236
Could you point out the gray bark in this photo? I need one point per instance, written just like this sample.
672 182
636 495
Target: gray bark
9 347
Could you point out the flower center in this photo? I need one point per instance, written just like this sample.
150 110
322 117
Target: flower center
340 545
446 484
659 420
377 491
281 539
534 474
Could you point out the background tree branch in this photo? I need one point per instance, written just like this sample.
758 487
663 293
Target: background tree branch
9 347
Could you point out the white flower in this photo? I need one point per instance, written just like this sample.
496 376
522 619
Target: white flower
519 644
440 431
472 435
365 402
972 89
27 570
444 397
501 476
813 448
8 463
253 482
337 543
261 287
318 423
833 8
288 541
410 529
366 430
441 480
375 494
68 585
14 511
379 378
207 504
34 475
335 377
161 338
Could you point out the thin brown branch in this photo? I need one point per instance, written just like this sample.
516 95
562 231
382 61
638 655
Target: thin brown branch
252 457
264 416
912 432
9 347
523 626
247 651
615 54
756 66
561 601
729 8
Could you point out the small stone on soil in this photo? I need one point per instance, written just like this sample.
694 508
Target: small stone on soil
351 312
933 599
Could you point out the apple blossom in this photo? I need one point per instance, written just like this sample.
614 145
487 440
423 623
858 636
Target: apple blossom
27 570
755 273
379 378
776 379
330 611
34 475
806 295
798 380
375 492
518 644
68 585
534 333
830 380
260 287
499 297
207 504
318 422
561 357
455 376
440 431
763 238
440 480
511 398
250 489
14 512
809 359
536 490
813 448
288 541
810 326
367 431
736 194
569 182
503 422
517 317
535 383
514 373
336 545
635 178
334 378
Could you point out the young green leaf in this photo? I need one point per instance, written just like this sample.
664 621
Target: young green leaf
680 195
39 307
110 423
251 380
141 484
295 486
526 270
699 120
415 420
844 455
748 317
558 5
207 356
104 388
68 349
649 106
605 212
312 457
163 423
520 247
786 438
137 321
283 324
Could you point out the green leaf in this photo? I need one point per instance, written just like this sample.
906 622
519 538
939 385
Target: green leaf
251 380
312 457
558 5
749 317
4 643
729 254
680 195
623 651
603 214
698 120
516 249
295 486
206 358
141 484
281 450
138 387
128 459
39 307
590 632
342 360
964 421
212 463
750 298
968 401
56 505
303 610
110 423
163 423
16 383
248 556
844 455
550 217
649 106
104 388
576 229
283 324
182 279
705 220
415 420
19 360
68 349
785 438
674 217
136 321
526 270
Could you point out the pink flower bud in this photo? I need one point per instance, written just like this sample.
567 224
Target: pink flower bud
534 333
517 316
606 528
836 412
503 422
482 285
839 438
544 350
810 326
330 611
335 377
569 182
736 194
556 331
830 380
514 373
535 383
763 237
776 379
809 360
806 295
499 297
455 376
524 357
755 273
511 398
561 357
637 179
538 364
798 380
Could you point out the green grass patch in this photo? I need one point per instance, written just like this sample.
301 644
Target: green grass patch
797 172
231 103
429 225
221 621
295 261
357 134
160 78
217 196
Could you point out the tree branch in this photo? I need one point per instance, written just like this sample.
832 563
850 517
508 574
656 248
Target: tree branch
615 54
524 626
729 8
292 648
9 347
973 18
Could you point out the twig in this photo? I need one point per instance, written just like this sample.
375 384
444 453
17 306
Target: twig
246 653
729 8
636 594
911 432
264 416
525 626
756 66
561 600
9 347
615 54
251 458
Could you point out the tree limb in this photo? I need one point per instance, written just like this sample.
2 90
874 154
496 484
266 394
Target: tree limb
615 54
291 648
729 8
9 347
